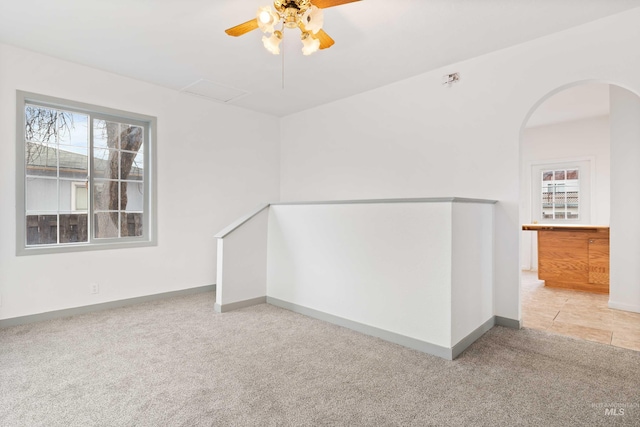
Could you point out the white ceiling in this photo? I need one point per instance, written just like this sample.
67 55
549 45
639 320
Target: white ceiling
576 103
175 43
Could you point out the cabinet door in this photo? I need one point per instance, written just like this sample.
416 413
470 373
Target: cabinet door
563 257
599 261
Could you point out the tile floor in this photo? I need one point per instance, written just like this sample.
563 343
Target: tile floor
577 314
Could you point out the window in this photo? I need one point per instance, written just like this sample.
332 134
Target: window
84 176
560 194
79 196
561 191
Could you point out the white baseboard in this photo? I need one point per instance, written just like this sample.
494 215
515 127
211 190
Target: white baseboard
424 346
623 306
223 308
67 312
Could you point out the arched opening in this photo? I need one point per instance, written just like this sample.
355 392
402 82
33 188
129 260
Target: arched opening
580 150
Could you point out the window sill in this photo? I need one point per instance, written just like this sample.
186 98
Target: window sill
82 247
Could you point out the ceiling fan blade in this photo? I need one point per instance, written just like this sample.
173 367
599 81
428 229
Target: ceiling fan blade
243 28
323 4
325 40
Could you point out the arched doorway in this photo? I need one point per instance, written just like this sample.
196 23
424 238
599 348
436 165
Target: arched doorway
571 177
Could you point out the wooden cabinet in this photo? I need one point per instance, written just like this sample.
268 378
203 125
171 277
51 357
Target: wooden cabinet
573 257
599 262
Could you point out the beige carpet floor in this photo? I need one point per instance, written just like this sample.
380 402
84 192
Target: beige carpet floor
177 363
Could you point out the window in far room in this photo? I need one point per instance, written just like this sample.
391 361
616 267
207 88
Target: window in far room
560 194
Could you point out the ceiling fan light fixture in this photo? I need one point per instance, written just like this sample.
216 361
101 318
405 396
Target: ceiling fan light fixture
313 19
300 14
272 44
309 44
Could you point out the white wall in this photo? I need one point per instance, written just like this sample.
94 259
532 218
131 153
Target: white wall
382 265
472 268
242 262
588 138
416 138
215 162
421 270
624 285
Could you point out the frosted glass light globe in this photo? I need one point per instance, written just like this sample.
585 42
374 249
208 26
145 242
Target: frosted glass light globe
265 17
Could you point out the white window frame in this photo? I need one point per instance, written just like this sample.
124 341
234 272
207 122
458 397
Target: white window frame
586 167
555 186
149 231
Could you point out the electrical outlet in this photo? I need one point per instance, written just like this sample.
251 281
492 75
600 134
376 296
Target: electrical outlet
94 288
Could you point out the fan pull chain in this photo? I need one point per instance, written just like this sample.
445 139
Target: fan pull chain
283 49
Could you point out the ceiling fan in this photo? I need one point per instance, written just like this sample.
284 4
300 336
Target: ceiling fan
303 14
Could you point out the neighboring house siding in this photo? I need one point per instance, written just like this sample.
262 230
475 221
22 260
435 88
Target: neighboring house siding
44 198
